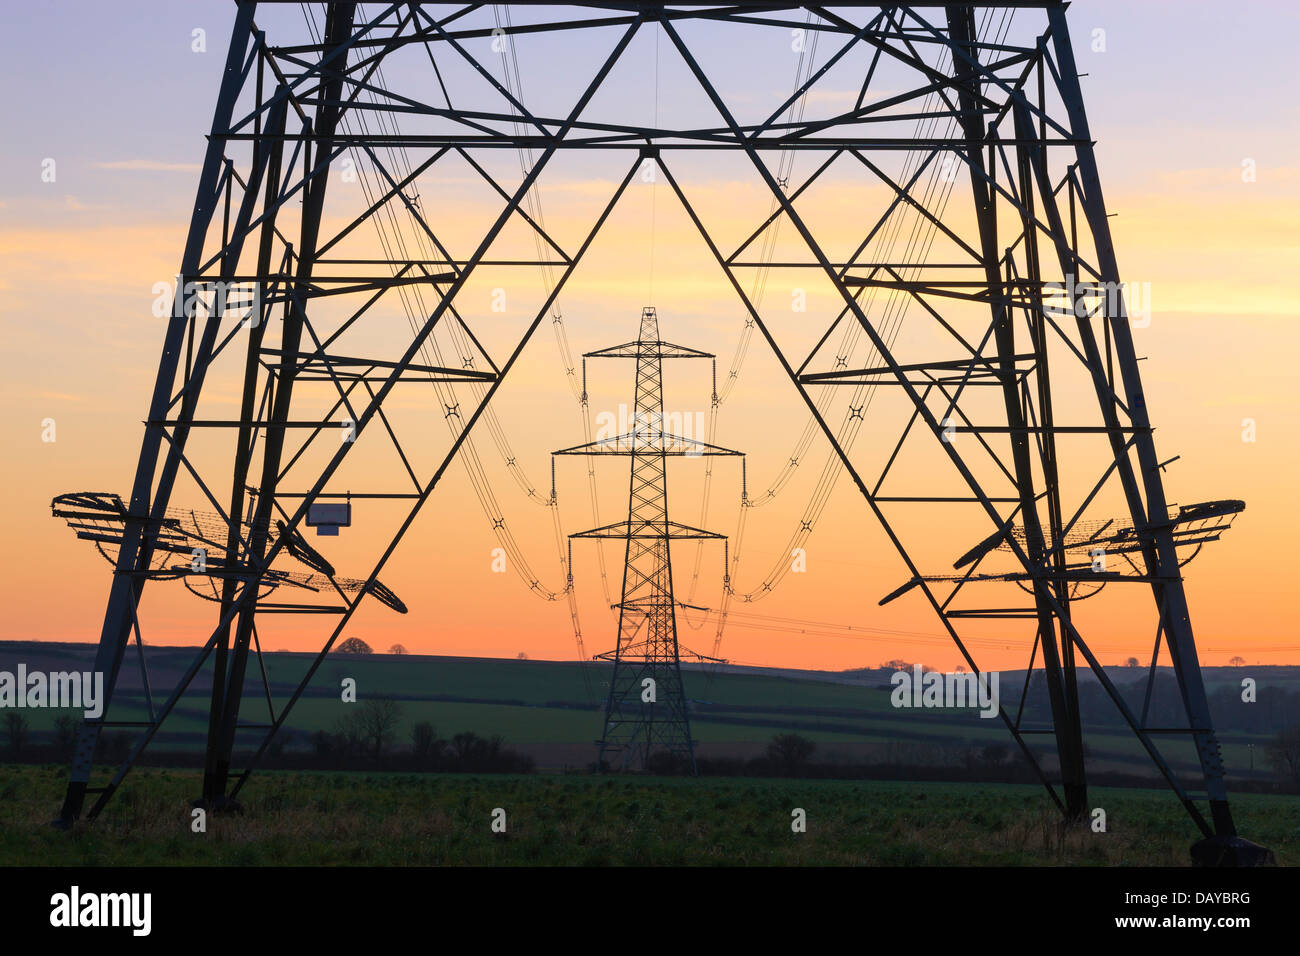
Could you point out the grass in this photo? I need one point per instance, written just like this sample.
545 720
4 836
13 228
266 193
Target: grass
310 818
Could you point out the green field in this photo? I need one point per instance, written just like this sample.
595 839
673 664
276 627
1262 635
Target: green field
308 818
551 710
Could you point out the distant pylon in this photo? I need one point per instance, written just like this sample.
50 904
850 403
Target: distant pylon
646 709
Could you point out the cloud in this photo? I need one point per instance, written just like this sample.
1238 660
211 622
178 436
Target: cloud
59 396
1227 178
76 205
150 166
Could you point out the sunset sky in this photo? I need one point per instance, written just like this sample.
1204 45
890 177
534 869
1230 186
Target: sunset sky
1181 97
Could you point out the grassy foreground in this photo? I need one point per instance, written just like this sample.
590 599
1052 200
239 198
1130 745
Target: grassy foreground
307 818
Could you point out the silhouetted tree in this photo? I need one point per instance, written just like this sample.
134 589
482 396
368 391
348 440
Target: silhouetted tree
1284 754
397 649
466 745
324 743
372 726
349 737
65 734
16 732
425 742
353 645
790 752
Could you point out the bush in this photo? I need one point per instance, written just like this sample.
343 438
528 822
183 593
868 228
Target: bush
17 731
1284 754
790 753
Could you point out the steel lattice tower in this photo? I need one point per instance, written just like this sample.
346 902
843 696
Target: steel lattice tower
646 708
1025 387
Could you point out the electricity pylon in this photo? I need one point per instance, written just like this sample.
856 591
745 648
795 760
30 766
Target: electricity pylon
646 710
1023 385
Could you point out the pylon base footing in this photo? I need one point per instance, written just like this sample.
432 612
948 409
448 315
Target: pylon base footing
1231 851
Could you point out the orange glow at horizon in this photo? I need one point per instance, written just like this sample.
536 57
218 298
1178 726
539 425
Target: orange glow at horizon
1216 355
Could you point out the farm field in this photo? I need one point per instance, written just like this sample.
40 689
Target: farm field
551 710
320 818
